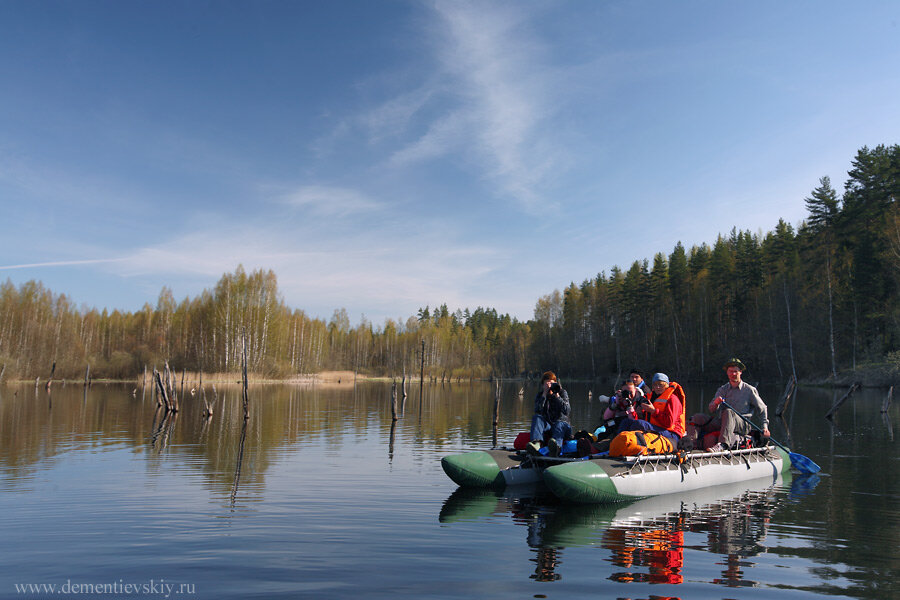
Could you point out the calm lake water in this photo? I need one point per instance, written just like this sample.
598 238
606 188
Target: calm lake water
330 501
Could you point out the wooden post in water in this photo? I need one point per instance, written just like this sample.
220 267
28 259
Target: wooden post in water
87 375
208 411
171 390
496 402
394 400
50 379
887 400
245 393
154 394
161 391
422 371
838 404
166 377
496 413
789 390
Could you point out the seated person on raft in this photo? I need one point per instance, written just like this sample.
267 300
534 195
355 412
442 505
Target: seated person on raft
722 424
622 406
551 413
638 379
663 411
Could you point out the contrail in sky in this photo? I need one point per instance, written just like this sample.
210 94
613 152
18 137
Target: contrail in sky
61 263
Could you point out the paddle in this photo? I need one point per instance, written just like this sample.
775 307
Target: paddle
797 460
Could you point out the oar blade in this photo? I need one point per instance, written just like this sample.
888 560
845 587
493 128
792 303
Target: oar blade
801 463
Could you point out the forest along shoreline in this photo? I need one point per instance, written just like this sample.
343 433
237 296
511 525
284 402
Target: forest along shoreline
877 376
815 302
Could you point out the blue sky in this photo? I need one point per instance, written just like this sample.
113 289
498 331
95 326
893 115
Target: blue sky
385 155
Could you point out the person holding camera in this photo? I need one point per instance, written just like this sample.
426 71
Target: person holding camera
551 413
622 404
663 411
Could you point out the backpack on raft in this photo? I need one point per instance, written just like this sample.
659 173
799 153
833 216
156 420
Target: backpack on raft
635 443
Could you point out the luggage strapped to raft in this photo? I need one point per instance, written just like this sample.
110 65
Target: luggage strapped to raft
688 460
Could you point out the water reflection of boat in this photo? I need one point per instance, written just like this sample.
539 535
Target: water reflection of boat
602 480
473 504
646 538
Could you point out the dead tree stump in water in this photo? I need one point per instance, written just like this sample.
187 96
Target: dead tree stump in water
208 411
831 412
789 390
161 392
394 400
887 400
244 392
496 413
50 379
496 402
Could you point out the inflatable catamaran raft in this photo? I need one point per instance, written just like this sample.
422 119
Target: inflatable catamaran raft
605 479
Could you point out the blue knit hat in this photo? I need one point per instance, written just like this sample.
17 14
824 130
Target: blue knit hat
660 377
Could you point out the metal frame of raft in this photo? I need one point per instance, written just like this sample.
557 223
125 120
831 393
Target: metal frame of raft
602 479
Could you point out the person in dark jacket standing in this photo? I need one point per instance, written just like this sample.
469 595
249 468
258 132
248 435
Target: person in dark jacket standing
551 413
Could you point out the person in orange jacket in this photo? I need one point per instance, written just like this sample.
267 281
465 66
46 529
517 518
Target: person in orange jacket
663 411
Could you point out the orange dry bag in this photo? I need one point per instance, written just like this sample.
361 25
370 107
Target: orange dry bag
634 443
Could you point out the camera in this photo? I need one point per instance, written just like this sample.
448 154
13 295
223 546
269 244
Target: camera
554 388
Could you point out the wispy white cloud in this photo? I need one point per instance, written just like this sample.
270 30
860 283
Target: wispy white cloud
486 101
444 135
330 201
394 116
380 273
490 53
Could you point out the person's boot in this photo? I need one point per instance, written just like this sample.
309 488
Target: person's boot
553 447
584 447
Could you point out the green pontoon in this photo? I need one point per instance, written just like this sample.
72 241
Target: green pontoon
602 480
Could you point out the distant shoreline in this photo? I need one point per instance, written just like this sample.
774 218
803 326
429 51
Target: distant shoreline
870 376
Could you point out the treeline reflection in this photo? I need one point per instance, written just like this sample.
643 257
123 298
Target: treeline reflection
36 425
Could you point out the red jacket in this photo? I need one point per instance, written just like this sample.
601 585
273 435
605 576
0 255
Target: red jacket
669 409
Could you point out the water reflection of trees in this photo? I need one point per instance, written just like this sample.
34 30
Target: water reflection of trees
32 430
856 500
